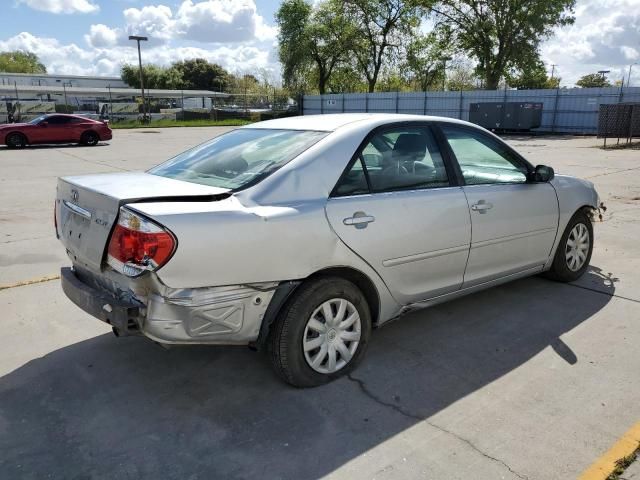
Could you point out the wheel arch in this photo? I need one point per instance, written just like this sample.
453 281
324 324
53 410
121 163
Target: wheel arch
24 135
589 210
286 290
91 130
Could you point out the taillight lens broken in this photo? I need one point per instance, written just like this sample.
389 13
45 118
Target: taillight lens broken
138 245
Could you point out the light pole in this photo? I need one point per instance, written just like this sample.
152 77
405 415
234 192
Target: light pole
629 76
139 39
603 73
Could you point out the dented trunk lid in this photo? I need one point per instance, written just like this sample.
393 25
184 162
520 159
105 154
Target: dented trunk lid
87 207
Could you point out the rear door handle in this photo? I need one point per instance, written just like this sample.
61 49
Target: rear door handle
482 206
359 220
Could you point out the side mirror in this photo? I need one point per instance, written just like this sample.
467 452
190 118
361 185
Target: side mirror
542 173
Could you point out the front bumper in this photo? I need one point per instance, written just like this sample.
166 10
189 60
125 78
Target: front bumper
122 315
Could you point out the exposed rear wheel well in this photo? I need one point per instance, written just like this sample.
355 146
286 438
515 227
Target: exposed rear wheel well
361 281
287 290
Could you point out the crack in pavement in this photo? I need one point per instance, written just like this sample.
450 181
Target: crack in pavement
612 173
398 409
104 164
603 293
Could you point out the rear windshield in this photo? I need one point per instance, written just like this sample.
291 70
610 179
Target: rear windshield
239 158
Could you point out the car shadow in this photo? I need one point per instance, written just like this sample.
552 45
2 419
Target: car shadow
51 145
127 408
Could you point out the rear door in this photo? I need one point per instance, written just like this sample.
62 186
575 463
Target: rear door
514 222
398 208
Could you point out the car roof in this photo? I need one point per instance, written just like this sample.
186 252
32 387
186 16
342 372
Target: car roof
334 121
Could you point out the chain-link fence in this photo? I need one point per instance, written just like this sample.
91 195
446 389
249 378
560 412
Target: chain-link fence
620 121
573 110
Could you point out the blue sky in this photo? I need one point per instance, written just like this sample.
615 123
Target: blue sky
90 36
70 27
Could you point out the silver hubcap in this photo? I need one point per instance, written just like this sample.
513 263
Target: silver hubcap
577 247
331 336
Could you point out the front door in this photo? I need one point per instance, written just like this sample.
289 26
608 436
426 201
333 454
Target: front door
396 209
514 222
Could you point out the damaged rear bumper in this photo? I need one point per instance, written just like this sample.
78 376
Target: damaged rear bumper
120 314
227 315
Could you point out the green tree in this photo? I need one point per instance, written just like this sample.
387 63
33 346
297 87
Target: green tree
293 19
381 27
593 80
21 62
532 77
502 35
461 76
346 78
154 76
313 41
195 74
199 74
425 59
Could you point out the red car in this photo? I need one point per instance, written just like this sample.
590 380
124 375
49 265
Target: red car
55 128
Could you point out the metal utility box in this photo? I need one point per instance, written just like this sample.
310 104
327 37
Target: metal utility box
506 115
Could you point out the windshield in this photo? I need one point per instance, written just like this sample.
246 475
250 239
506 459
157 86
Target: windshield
238 158
37 120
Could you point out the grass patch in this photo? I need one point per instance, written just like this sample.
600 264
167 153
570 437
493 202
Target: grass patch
166 123
623 464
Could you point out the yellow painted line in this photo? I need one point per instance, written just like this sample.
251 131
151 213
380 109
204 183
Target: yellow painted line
30 282
605 465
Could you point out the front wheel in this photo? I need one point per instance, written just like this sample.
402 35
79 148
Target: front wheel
16 140
574 251
321 334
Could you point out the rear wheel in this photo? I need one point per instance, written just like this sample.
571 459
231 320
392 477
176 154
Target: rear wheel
321 334
90 138
16 140
574 251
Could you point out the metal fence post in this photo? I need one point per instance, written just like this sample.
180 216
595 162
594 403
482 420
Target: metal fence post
397 100
424 107
366 103
460 107
343 103
555 110
321 104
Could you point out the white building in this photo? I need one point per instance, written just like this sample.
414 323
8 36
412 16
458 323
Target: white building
46 80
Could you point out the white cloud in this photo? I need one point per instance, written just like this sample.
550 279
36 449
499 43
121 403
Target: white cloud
222 21
62 6
101 36
108 58
154 21
604 37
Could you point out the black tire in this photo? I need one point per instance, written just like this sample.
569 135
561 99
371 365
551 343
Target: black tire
16 140
90 138
285 342
560 268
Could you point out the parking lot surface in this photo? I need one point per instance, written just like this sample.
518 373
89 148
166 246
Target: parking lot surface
530 380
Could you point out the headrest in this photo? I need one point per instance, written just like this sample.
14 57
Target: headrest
410 144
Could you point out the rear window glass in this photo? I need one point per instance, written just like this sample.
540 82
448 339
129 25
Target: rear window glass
239 158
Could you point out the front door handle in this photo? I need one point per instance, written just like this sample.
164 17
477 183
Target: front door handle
482 206
359 220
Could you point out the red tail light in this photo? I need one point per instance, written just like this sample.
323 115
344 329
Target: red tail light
138 245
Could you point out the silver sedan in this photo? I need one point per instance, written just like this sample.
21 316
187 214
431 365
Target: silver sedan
300 235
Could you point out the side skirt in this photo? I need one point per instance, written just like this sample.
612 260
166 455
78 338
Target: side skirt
466 291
